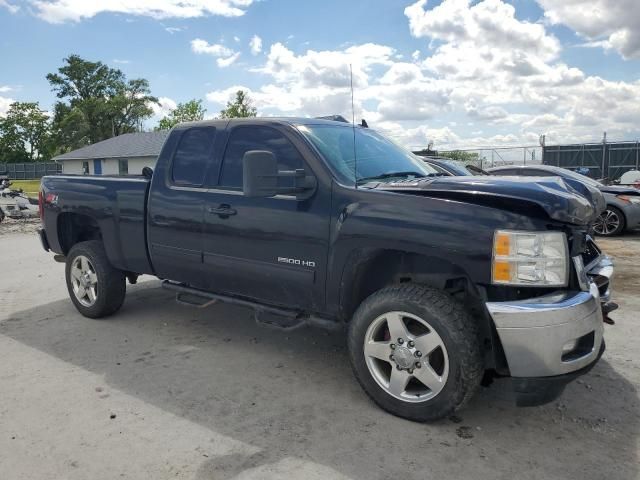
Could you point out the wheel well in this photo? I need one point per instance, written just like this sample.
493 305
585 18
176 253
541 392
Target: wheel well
369 271
74 228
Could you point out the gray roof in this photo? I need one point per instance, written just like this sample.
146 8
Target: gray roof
142 144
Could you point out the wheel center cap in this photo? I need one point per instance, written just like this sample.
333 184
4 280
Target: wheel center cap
403 357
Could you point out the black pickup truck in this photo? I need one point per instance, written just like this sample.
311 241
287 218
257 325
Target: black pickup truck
439 281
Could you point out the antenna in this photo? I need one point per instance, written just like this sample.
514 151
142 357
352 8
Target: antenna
353 126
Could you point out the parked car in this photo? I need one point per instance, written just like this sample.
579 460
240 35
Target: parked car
448 167
436 279
622 209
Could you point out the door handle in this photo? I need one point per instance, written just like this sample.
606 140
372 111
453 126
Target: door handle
222 211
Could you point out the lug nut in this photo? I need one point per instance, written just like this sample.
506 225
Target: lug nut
391 357
393 346
411 344
411 370
400 341
418 365
398 367
418 354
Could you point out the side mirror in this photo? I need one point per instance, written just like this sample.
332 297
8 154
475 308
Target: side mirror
147 172
260 177
259 174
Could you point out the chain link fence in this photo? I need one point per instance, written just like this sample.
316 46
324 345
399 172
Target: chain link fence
487 157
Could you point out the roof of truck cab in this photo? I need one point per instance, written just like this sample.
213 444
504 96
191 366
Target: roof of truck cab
266 120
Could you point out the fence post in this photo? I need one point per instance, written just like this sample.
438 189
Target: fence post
604 154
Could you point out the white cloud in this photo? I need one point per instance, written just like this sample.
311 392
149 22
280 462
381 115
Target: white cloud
328 67
164 107
120 61
225 56
5 103
255 44
5 88
9 6
216 49
606 23
481 39
225 62
173 30
59 11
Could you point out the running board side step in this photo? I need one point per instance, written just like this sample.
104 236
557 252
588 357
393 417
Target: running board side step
280 318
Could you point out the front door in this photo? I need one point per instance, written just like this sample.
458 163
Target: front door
270 249
97 166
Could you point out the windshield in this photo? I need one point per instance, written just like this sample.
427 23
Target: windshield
377 158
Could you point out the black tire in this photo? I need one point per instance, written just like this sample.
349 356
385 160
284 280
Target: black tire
1 215
111 284
600 227
458 332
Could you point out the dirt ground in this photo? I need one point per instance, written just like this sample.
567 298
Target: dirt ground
27 226
162 391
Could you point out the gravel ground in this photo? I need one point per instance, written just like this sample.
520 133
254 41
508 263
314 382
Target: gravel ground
27 226
162 391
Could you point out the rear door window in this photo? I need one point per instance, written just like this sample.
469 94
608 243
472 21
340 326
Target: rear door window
194 156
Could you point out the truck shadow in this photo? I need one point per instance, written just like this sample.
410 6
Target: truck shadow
292 394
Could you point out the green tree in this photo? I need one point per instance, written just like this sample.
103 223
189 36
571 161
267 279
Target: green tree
241 107
101 101
461 155
69 129
190 111
25 133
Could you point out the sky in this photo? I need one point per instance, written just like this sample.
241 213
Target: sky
457 73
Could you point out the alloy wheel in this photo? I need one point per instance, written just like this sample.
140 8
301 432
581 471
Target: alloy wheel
84 280
607 223
406 356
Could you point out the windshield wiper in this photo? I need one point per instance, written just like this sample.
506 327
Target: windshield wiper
384 176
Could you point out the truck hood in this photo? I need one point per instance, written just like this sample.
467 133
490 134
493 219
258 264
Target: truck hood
550 194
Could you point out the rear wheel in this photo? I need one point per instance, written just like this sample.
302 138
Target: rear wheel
610 222
96 288
415 351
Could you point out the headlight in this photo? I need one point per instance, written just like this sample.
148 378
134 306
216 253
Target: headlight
629 198
537 259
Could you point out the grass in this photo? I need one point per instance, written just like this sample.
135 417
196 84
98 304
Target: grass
30 187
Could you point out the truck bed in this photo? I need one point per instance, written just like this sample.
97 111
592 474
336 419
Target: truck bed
117 204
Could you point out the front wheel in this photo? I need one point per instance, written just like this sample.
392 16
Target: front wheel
96 288
610 222
415 351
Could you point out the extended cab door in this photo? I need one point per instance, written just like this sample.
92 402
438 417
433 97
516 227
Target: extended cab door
176 205
270 249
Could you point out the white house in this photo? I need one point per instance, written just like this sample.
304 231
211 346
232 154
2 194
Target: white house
126 154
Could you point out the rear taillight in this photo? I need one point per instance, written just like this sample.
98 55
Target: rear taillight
41 205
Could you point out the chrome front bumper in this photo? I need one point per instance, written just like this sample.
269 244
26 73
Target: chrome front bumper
534 332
